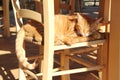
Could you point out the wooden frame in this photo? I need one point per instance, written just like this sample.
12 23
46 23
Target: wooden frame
6 18
113 72
114 45
49 48
48 7
19 15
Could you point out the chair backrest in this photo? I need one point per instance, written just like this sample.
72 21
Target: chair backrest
16 7
19 14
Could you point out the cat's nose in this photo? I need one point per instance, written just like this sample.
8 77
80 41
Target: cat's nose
85 35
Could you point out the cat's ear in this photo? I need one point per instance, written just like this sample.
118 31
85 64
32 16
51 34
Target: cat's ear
79 17
81 20
95 24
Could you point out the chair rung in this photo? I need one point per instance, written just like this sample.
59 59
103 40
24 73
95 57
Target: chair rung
72 71
81 61
81 44
79 70
81 50
54 70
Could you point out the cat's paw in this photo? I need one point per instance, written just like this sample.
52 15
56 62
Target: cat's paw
38 38
68 41
96 36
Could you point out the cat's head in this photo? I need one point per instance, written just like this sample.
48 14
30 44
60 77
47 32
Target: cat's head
86 27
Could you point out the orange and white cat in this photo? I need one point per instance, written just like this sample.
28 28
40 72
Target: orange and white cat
75 28
69 29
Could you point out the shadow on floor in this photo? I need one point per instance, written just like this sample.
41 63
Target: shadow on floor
8 67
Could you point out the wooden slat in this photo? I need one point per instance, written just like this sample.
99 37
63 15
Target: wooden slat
72 71
65 64
23 13
81 44
54 70
16 6
48 6
72 3
79 70
57 6
21 75
83 50
6 18
39 6
81 61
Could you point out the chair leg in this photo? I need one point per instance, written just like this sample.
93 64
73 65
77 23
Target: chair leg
21 74
101 60
100 75
65 64
41 63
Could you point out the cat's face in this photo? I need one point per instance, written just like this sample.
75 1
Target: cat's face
84 28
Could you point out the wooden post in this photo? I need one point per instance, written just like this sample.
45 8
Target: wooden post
77 5
72 3
107 16
39 6
16 5
21 75
114 46
65 64
104 60
48 8
57 6
6 18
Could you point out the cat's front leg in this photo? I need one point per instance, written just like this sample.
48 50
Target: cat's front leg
67 41
83 39
72 40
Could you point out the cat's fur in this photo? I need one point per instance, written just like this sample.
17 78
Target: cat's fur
69 29
75 28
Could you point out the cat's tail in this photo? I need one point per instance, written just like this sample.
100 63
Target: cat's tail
20 52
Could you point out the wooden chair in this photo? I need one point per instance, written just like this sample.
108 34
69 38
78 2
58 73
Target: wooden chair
21 14
68 53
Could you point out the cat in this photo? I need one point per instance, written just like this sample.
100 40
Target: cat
76 28
69 29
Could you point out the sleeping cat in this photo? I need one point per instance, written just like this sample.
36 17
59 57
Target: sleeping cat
75 28
69 29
